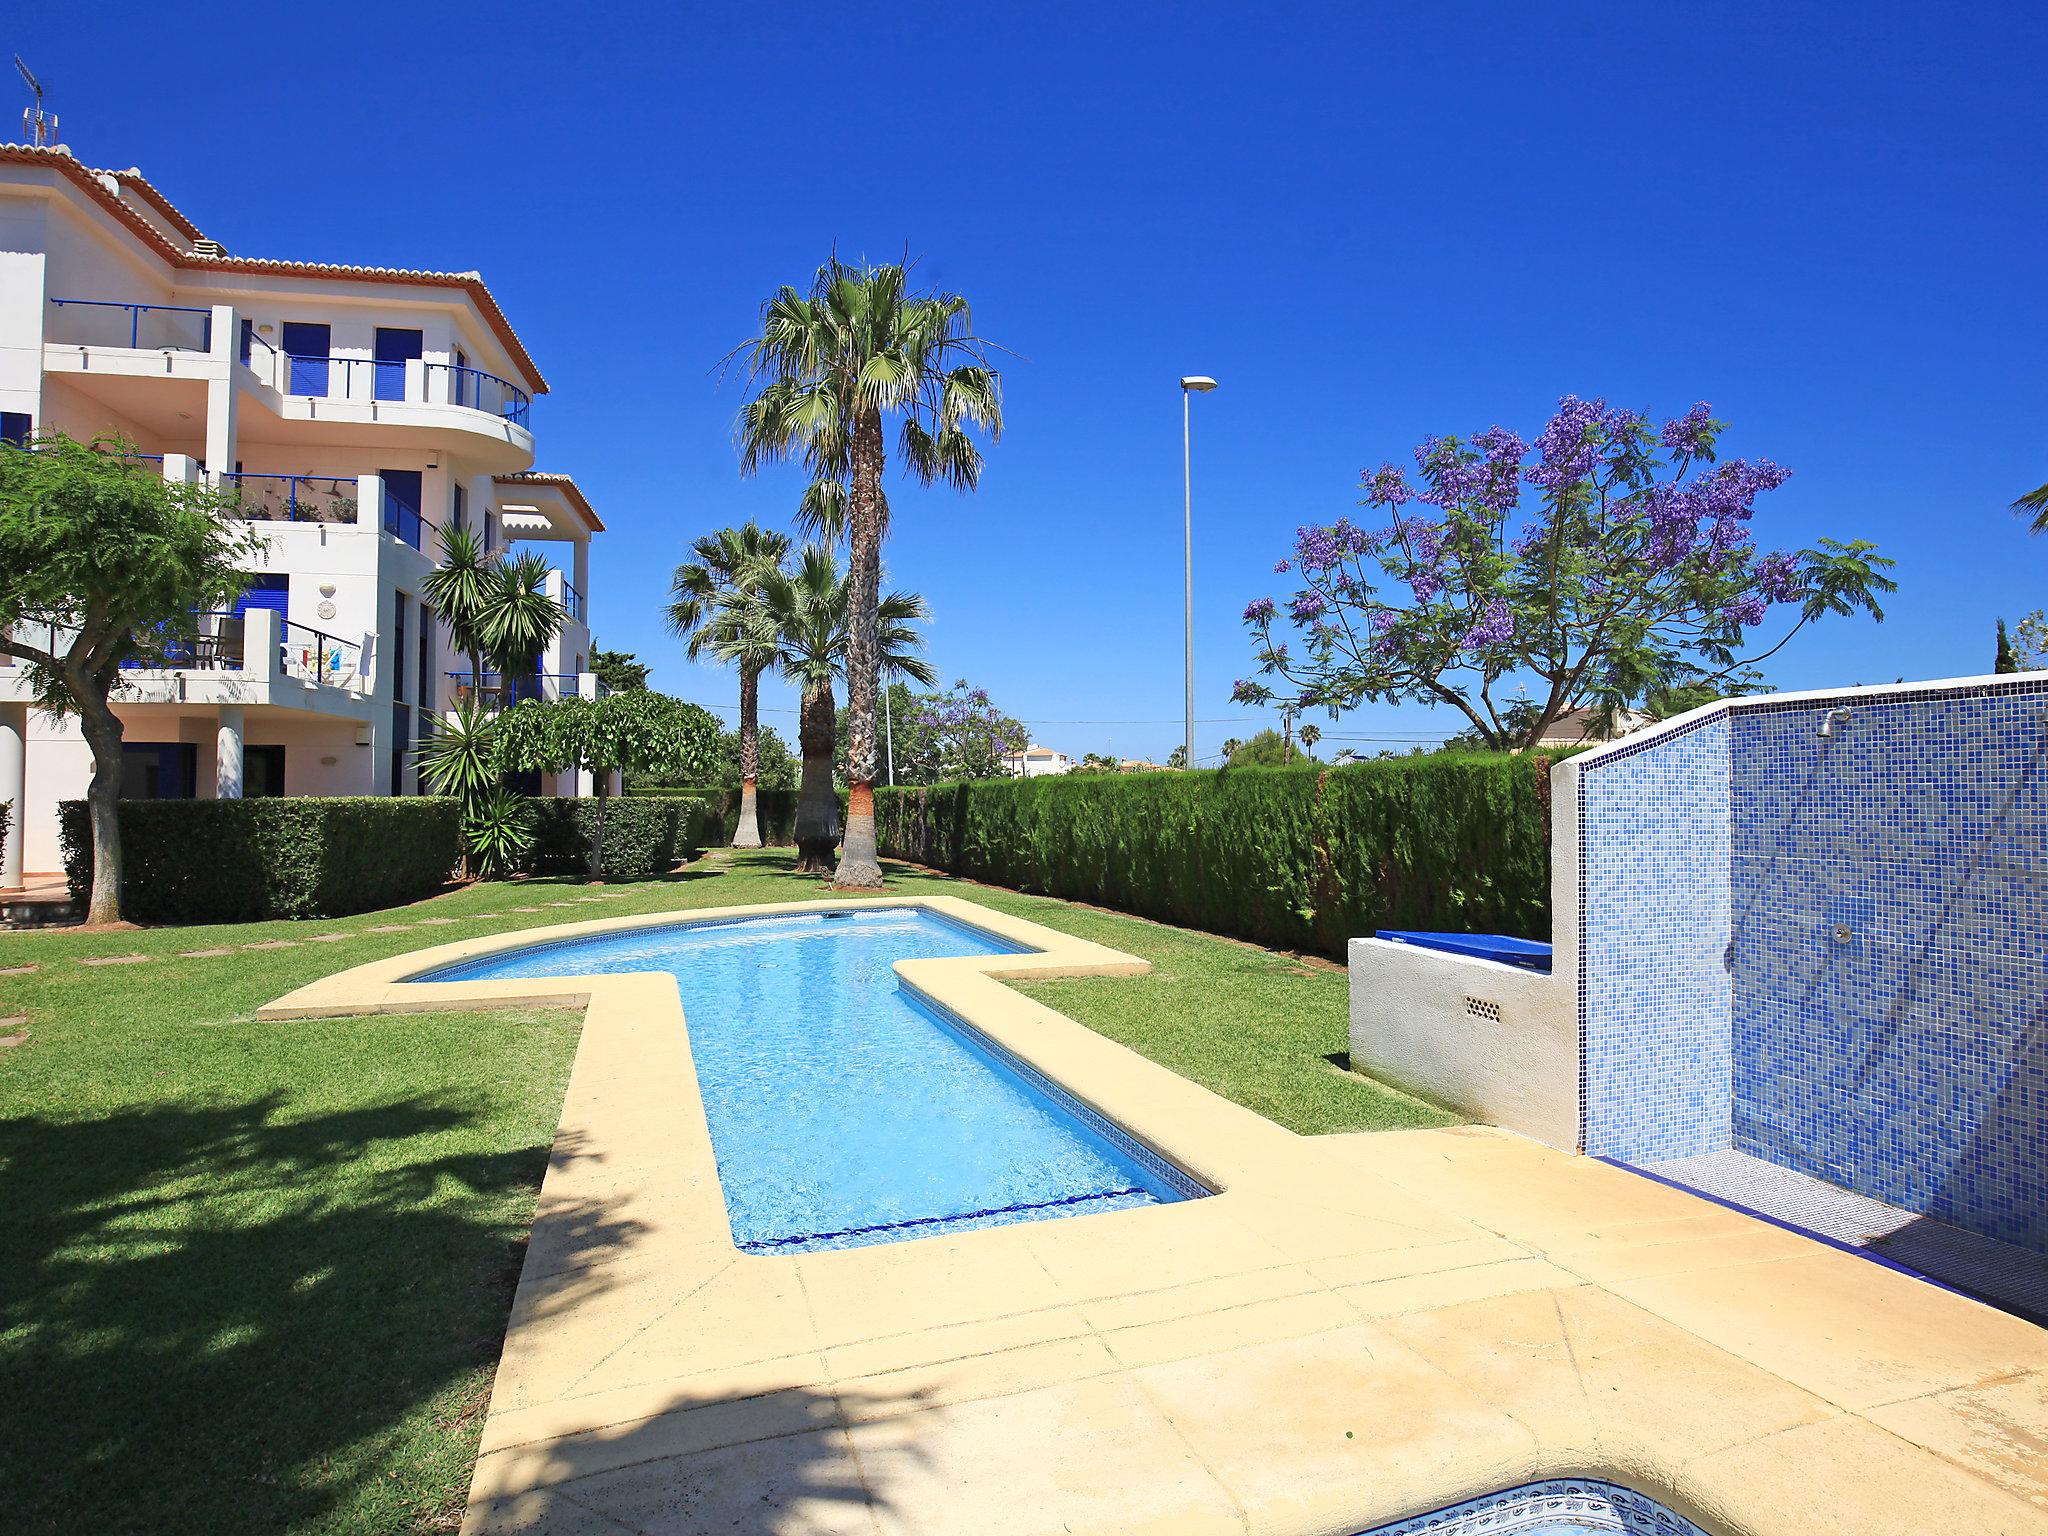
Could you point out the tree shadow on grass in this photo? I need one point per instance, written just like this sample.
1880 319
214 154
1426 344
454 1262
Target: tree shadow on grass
226 1318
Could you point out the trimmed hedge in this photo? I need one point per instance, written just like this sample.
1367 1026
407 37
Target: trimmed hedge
643 835
775 807
235 861
1302 860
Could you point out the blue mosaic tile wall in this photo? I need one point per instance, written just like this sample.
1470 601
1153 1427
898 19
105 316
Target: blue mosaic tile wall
1653 861
1875 904
1890 949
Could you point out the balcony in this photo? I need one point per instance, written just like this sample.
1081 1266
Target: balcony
136 327
292 498
496 691
252 657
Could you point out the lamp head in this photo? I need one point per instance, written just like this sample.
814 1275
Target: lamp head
1198 383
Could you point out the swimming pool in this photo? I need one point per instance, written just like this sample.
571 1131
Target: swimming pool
1562 1506
846 1111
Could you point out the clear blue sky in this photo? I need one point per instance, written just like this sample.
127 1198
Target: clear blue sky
1371 223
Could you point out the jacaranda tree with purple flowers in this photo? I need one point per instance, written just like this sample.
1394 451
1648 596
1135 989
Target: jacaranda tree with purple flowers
1611 561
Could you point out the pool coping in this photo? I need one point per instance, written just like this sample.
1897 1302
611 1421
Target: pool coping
1486 1312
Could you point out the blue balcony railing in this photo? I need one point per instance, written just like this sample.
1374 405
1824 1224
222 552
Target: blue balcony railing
480 391
315 657
212 643
496 691
144 327
317 374
292 498
407 523
572 600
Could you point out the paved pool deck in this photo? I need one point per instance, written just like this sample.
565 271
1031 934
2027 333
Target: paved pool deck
1353 1330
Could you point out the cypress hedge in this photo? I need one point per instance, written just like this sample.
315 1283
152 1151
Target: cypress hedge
643 835
1302 859
233 861
775 807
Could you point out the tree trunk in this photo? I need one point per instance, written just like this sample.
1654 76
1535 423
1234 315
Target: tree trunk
817 807
748 833
603 778
101 728
858 865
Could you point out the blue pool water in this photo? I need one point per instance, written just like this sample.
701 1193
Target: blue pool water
844 1111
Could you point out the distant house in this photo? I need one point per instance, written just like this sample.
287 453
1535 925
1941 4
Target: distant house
1035 761
1581 727
1139 765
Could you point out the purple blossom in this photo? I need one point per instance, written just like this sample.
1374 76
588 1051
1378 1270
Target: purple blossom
1384 487
1316 549
1691 434
1282 567
1777 576
1258 610
1307 607
1745 610
1569 447
1494 626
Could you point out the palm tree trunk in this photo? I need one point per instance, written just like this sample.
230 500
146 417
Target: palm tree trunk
604 782
817 807
748 833
858 865
101 728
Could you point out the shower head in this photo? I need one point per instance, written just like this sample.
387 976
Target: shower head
1830 720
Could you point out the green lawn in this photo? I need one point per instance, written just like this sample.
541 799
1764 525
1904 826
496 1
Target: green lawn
253 1277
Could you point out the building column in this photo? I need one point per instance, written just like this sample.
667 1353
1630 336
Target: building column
227 771
13 788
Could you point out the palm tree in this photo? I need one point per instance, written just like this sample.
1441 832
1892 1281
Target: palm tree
810 610
831 364
713 604
519 620
1310 735
460 589
2035 505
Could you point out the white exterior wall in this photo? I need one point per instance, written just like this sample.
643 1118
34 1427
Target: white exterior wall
55 242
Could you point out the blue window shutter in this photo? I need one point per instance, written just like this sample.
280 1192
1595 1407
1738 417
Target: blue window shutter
395 348
307 346
17 427
265 591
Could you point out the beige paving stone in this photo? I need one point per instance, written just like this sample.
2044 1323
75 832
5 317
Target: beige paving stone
988 1373
943 1346
891 1288
273 944
1848 1477
436 922
1208 1333
197 954
325 938
118 960
698 1412
1412 1293
792 1485
1845 1329
1311 1434
17 970
959 1468
1999 1429
1392 1263
1118 1252
547 1511
1687 1245
388 928
1200 1298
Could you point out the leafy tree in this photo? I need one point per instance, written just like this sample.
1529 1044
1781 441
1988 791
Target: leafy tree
1268 749
642 731
809 609
104 562
830 366
714 604
618 671
941 737
2003 659
1636 567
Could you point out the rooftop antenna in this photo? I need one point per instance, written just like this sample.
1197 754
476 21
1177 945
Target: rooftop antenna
37 126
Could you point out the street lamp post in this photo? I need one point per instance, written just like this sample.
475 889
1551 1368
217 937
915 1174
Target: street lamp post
1193 384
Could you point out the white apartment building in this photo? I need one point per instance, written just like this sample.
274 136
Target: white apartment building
356 410
1036 761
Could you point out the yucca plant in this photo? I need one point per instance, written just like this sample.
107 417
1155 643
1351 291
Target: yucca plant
497 831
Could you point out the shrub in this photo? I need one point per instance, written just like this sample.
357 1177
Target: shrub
231 861
643 835
1296 859
6 820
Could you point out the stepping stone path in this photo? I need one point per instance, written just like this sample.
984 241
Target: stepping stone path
326 938
191 954
274 944
526 909
121 959
388 928
435 922
17 970
15 1032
